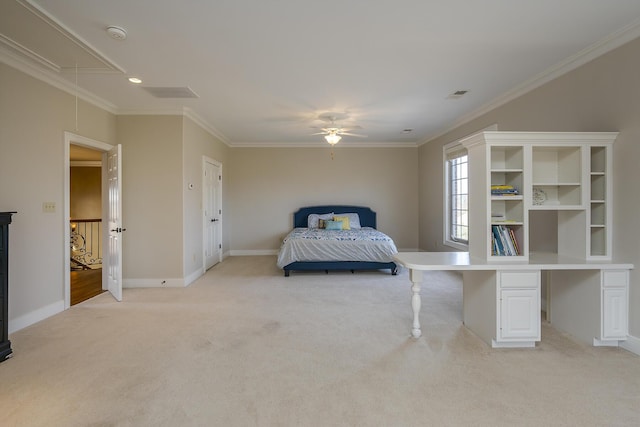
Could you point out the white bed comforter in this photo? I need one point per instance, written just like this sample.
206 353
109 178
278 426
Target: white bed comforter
313 244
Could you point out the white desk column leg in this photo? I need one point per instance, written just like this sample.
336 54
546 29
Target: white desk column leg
416 280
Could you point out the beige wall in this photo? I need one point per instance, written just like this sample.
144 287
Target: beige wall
152 197
85 192
603 95
33 118
268 184
198 143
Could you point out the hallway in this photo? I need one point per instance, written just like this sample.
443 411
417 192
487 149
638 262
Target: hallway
85 284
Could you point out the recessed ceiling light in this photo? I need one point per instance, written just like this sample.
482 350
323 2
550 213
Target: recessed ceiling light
135 80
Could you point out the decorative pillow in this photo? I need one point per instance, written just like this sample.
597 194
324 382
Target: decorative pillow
333 225
313 219
321 223
345 221
354 219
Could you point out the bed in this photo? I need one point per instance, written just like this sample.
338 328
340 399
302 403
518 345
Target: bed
363 248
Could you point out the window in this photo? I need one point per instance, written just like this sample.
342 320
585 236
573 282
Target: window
457 196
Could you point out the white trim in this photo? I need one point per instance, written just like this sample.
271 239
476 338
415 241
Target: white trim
70 138
447 148
259 252
323 144
35 316
86 163
21 64
188 112
632 344
193 277
253 252
446 240
609 43
154 283
205 160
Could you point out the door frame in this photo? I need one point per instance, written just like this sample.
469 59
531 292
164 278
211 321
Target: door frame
216 163
71 138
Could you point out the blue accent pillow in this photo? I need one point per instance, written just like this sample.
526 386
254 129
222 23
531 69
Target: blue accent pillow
333 225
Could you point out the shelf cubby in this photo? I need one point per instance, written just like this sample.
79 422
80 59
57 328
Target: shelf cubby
598 182
599 223
598 213
557 175
598 241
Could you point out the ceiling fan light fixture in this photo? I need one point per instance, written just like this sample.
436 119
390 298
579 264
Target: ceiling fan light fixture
332 138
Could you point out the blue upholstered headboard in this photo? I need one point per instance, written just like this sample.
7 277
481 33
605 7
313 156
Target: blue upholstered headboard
367 216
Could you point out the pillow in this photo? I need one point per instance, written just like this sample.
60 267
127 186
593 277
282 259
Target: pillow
345 221
321 223
313 219
354 219
333 225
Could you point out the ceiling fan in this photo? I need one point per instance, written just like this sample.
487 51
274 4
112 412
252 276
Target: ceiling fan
333 133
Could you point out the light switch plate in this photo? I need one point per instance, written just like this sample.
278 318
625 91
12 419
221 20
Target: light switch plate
48 207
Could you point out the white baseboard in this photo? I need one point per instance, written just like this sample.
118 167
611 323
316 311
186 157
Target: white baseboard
632 344
193 277
153 283
254 252
35 316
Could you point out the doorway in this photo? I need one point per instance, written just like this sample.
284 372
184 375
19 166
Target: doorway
212 212
85 223
111 186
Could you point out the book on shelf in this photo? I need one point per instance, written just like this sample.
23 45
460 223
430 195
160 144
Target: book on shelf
501 218
504 190
504 241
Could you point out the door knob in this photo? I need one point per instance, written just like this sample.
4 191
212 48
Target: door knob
214 220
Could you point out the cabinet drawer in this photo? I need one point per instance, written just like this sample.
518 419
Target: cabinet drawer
519 279
615 278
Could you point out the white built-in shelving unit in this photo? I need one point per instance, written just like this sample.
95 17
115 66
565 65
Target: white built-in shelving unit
564 174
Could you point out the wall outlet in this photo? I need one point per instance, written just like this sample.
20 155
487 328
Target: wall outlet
48 207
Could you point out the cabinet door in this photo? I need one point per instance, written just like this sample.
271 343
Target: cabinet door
519 314
614 313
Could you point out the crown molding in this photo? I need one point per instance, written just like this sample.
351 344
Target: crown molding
609 43
74 38
21 64
188 112
321 144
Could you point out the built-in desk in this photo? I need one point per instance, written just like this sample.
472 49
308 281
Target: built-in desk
501 300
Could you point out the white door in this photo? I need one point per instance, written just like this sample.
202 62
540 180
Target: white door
114 178
212 211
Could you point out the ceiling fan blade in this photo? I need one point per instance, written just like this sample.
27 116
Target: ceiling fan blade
351 127
319 133
352 134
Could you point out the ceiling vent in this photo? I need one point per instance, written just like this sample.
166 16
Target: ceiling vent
171 92
457 94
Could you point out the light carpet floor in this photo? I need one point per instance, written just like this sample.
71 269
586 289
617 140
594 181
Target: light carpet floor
244 346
